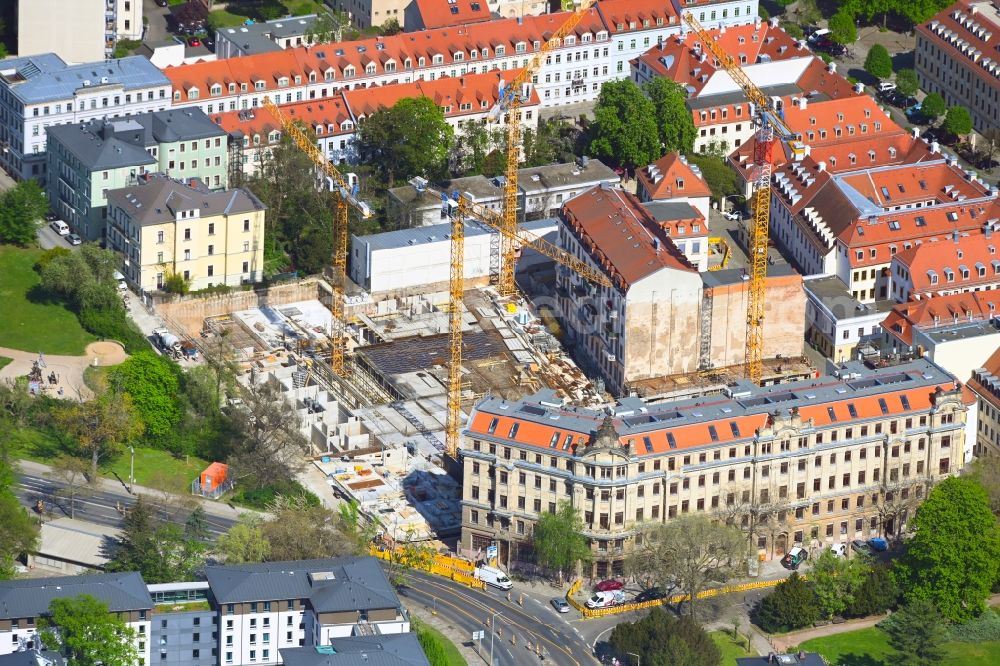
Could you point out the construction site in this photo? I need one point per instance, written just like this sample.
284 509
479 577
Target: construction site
382 382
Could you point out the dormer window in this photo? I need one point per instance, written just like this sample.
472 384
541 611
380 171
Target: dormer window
216 90
853 158
298 80
871 155
312 77
586 39
193 93
458 56
438 59
282 81
259 85
501 50
473 54
232 88
408 64
569 40
349 71
486 52
421 61
244 87
328 75
390 66
370 68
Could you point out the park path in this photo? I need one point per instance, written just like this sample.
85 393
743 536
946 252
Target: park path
68 369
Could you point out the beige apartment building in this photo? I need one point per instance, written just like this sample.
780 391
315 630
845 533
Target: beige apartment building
823 460
166 226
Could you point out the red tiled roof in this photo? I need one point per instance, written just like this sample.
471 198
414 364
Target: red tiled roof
621 235
972 251
643 13
444 13
928 313
676 179
963 27
329 114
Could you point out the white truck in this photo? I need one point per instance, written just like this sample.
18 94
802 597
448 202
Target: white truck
168 342
606 599
493 576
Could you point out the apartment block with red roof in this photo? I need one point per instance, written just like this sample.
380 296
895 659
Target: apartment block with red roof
959 331
781 66
467 99
951 264
673 179
430 14
957 56
843 457
985 388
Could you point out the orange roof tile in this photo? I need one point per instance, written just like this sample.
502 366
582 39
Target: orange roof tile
621 235
324 116
974 251
929 313
444 13
674 178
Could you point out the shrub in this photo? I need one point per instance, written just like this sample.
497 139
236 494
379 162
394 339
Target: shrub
877 594
792 605
260 498
986 627
114 325
878 63
50 255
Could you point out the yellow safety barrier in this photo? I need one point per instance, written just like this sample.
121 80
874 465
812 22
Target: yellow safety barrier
589 613
445 566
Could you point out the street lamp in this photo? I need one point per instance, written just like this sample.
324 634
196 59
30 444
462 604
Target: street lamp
493 632
633 654
131 471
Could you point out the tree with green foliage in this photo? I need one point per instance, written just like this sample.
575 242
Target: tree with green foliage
721 179
835 580
352 524
410 138
559 542
86 633
953 558
299 530
957 121
473 148
878 63
244 542
555 140
792 605
176 283
876 594
842 27
691 552
328 26
663 638
624 131
161 552
21 208
18 530
100 427
390 27
152 381
907 82
917 634
918 11
71 472
673 120
933 106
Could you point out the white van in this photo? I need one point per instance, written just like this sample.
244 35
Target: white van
605 599
493 576
60 227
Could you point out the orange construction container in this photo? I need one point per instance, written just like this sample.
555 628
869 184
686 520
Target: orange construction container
213 476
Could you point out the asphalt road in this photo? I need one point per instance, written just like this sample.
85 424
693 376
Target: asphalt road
537 622
48 239
99 506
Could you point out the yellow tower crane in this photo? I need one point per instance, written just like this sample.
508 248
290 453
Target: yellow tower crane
345 198
509 105
770 128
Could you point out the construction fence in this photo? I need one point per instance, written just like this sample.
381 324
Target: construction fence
450 567
589 613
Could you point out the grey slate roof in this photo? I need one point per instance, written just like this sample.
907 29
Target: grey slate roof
736 275
46 77
121 142
259 38
387 650
671 210
533 179
30 597
154 201
435 233
358 583
32 658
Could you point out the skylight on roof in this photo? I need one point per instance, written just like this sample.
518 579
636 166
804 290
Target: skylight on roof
671 441
648 443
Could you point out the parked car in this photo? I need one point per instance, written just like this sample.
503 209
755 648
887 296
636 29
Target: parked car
878 544
608 586
732 215
886 86
605 599
60 227
793 558
194 41
861 546
839 549
74 239
560 605
652 594
819 34
914 112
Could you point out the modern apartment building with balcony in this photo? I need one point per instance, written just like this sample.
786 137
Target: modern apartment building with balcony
828 460
87 160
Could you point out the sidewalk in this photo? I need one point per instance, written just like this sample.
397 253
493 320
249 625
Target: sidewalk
111 485
68 369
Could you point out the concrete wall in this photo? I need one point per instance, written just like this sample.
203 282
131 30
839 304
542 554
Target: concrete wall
76 36
172 637
189 313
962 355
661 325
784 320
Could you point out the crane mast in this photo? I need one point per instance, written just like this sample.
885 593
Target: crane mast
770 128
345 199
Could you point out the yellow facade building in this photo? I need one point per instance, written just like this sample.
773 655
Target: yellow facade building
165 226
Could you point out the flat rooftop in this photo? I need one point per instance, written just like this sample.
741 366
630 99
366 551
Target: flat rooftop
963 331
834 295
46 77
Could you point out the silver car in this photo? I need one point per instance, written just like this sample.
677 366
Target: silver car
560 605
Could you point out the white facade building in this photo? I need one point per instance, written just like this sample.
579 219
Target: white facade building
38 91
77 30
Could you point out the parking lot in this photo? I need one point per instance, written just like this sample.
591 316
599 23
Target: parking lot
48 238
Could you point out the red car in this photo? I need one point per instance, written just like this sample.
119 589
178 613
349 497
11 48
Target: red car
194 41
608 586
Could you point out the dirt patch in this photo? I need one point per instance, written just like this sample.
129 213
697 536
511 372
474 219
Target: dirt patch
106 352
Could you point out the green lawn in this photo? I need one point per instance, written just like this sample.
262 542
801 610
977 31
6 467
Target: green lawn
869 647
153 468
730 648
236 14
451 653
27 321
5 361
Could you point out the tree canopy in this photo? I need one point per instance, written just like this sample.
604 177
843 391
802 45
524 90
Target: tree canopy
792 605
663 638
842 27
835 581
878 62
558 541
18 531
957 121
100 427
953 558
624 131
153 383
21 208
82 630
933 106
162 552
721 180
917 634
410 138
907 82
673 120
